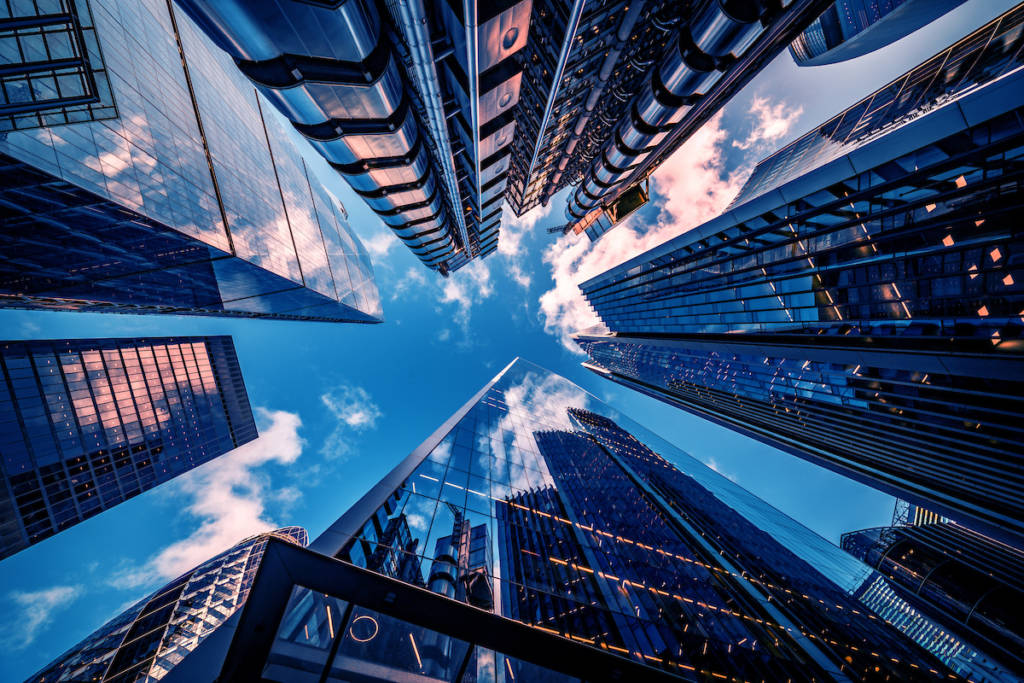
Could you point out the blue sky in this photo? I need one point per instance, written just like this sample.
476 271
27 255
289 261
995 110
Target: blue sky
339 405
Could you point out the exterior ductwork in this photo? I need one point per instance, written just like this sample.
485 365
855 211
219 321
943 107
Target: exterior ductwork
718 33
333 73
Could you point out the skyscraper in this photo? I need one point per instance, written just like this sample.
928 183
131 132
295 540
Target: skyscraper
436 112
551 531
860 304
655 99
852 28
88 423
953 574
167 184
146 641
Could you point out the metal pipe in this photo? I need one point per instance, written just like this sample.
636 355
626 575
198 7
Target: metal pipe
413 18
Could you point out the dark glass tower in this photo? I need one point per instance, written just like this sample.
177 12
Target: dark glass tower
852 28
860 303
146 641
88 423
584 532
193 197
954 575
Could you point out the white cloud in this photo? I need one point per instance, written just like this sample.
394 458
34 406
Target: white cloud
229 496
414 279
772 123
466 287
380 245
355 411
36 610
695 187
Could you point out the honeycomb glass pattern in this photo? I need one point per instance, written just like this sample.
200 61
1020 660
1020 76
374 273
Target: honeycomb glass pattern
151 637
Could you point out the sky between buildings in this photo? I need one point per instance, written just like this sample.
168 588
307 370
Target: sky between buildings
339 405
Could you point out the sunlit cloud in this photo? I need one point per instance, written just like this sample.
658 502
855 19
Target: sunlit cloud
772 123
33 612
380 245
228 495
693 185
353 410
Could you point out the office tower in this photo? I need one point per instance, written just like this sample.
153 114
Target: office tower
703 54
852 28
551 531
859 305
954 575
437 112
88 423
146 641
171 186
411 102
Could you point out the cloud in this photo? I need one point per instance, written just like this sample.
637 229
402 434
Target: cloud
510 243
414 279
466 287
355 411
229 496
37 609
772 123
380 245
694 186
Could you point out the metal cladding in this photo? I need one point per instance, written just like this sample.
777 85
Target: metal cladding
416 128
702 48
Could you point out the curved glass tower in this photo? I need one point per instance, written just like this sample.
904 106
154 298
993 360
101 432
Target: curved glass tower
852 28
146 641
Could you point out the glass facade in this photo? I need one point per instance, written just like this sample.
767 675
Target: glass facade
865 315
196 199
51 68
954 574
540 504
145 642
88 423
851 28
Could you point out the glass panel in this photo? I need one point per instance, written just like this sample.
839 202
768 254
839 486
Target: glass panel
303 641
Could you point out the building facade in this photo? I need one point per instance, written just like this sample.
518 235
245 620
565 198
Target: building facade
88 423
853 28
146 641
954 575
539 514
438 112
173 188
860 304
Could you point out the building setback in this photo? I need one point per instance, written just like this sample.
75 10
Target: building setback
859 305
146 641
540 535
172 187
954 574
88 423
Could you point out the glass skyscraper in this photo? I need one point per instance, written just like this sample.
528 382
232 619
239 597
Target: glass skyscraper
538 533
852 28
88 423
861 304
146 641
954 574
178 190
438 112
